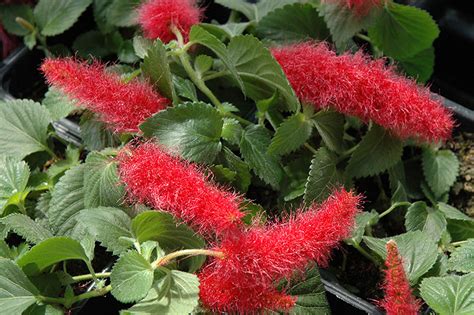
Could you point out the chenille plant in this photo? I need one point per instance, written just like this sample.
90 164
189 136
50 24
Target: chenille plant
230 162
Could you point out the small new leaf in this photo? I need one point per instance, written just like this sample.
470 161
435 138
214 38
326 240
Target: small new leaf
462 259
428 220
440 169
291 135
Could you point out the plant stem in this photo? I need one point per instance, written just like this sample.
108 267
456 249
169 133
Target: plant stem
90 277
366 254
393 207
363 37
459 243
133 75
310 148
68 302
215 75
185 252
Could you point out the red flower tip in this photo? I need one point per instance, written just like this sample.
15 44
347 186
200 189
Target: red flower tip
355 85
244 280
156 17
168 183
399 299
123 106
359 7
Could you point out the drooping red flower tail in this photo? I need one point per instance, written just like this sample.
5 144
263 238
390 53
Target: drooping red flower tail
255 260
355 85
360 7
166 182
399 299
157 16
123 106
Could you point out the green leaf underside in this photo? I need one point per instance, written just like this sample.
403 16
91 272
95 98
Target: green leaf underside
377 152
23 127
418 250
155 66
253 147
440 169
175 292
291 134
192 130
450 295
423 218
462 259
403 31
131 277
323 177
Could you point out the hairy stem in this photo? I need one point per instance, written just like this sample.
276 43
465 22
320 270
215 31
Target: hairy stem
90 277
185 252
393 207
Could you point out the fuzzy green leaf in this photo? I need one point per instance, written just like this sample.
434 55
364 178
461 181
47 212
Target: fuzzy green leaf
56 16
155 66
192 130
293 23
291 134
403 31
131 277
8 14
23 128
232 131
452 213
161 227
430 221
323 177
58 104
185 88
441 169
175 292
95 43
462 259
95 134
108 225
361 222
233 162
141 46
377 152
123 13
451 295
255 11
418 250
102 186
419 66
260 72
14 177
461 230
51 251
253 147
24 226
330 126
17 293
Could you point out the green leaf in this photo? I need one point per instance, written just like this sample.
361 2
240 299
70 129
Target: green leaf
109 226
203 37
23 128
17 293
253 147
423 218
293 23
419 66
161 227
233 162
185 88
155 67
28 229
123 12
403 31
14 177
102 186
203 63
95 134
93 44
131 277
67 198
440 169
418 250
50 252
141 46
247 9
8 14
361 222
377 152
291 134
330 126
232 131
126 52
323 177
72 159
453 213
58 104
176 292
461 230
462 259
192 130
101 12
56 16
342 22
451 295
227 30
310 294
44 309
255 11
260 72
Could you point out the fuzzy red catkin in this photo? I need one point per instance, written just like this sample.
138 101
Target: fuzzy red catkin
156 17
122 106
255 260
166 182
354 84
399 299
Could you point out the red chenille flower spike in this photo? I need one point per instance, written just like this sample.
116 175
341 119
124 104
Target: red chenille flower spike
168 183
355 85
256 260
399 299
123 106
157 16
